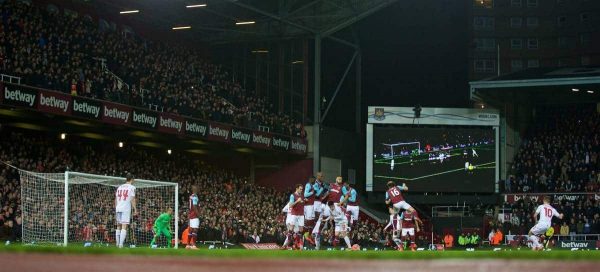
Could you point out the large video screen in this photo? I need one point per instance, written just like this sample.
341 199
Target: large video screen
435 158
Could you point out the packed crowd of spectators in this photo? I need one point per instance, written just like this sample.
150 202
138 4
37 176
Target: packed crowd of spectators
60 51
560 154
232 208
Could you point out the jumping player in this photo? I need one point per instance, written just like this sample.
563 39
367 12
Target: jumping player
410 221
296 219
338 213
394 196
124 201
162 225
546 212
350 198
194 220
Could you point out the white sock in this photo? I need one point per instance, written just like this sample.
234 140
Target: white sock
534 241
398 242
347 242
316 227
118 237
123 235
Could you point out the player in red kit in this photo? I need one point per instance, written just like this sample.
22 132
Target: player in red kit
335 192
334 195
194 220
296 209
410 222
394 196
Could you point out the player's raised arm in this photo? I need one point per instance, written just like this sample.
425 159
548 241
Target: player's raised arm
293 201
308 191
557 214
537 212
318 190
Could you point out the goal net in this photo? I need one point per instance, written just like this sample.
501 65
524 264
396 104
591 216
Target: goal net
79 208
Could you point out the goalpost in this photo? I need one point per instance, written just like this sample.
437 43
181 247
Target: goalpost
72 207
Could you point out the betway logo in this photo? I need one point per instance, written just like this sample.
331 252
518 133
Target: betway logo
17 95
116 113
144 119
298 146
259 139
240 135
193 127
86 108
574 244
217 131
170 123
54 102
281 143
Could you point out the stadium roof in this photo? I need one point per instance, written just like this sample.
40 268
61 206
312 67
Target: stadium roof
541 85
272 19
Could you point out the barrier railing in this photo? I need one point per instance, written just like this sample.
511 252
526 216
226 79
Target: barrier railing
10 79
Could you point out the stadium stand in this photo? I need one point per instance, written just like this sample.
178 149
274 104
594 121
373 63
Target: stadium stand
57 51
561 153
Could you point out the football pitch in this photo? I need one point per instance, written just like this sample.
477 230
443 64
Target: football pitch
77 258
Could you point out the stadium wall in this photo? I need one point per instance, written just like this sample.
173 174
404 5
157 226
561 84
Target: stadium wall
349 148
283 177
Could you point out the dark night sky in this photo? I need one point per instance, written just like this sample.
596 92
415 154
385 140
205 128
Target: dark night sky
414 52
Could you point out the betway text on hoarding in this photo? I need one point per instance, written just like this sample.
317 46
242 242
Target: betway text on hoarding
117 114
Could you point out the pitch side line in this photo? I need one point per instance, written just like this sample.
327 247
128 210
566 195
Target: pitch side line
436 174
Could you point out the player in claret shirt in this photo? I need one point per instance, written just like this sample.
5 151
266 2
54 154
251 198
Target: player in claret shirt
193 213
410 222
296 219
309 196
350 199
394 196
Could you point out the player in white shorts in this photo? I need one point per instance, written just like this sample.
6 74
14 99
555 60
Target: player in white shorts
546 212
288 216
319 193
124 201
396 226
340 218
309 197
295 222
350 198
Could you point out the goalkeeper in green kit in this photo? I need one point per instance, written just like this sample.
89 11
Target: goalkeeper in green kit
162 224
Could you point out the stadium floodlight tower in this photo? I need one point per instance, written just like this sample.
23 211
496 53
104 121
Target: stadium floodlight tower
71 207
400 144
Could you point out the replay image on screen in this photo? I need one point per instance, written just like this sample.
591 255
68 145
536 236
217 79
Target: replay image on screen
435 159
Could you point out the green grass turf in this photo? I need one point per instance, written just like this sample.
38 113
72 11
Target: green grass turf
523 254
